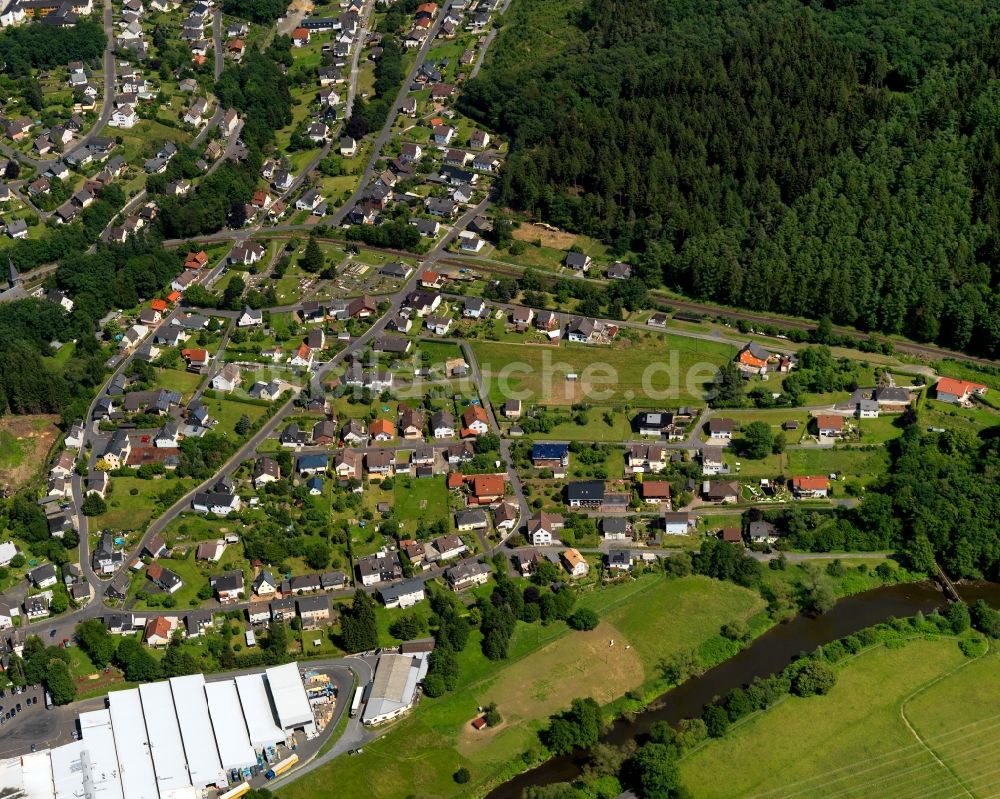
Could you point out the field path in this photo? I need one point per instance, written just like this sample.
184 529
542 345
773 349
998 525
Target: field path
920 739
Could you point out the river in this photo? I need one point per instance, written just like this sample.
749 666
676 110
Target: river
768 654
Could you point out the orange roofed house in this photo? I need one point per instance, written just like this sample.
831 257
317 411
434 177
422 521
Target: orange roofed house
300 37
381 430
806 487
159 305
173 296
196 260
830 425
196 358
487 489
957 392
475 422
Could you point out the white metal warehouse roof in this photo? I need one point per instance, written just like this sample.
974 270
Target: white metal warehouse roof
36 773
257 711
231 735
164 737
135 763
393 687
191 707
67 770
289 696
100 756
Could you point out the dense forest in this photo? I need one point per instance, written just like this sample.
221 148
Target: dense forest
832 159
44 46
118 276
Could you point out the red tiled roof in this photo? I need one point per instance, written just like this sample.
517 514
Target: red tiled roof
949 385
487 485
810 483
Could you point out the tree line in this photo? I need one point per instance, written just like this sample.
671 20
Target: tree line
801 159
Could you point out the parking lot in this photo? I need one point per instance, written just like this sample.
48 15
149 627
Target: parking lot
33 724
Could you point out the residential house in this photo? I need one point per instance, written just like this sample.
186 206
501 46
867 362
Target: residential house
43 576
314 611
467 520
164 579
505 517
211 550
307 465
721 429
585 493
574 563
614 529
379 567
411 424
810 487
712 461
542 528
157 632
228 379
578 261
447 547
403 594
381 463
443 425
829 425
655 491
551 456
467 574
676 523
720 491
762 532
354 432
957 392
228 586
381 430
475 421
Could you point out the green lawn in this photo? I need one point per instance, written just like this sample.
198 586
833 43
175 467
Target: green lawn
878 431
548 666
657 368
229 411
943 414
128 511
179 380
595 429
425 499
851 462
853 743
775 417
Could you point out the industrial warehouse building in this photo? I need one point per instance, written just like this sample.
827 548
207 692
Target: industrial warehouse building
168 740
394 689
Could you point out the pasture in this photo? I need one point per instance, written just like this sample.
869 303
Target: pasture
655 369
888 728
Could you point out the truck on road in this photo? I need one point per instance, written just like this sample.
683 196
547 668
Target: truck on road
280 768
356 703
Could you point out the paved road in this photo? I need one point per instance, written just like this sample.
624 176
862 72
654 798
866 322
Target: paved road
338 216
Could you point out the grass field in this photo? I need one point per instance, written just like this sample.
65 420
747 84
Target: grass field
178 380
657 368
229 411
425 500
128 511
918 721
548 666
775 417
850 462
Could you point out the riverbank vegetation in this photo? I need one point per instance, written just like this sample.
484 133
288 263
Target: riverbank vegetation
890 703
781 156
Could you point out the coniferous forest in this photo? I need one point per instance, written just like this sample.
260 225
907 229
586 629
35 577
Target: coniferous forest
837 158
